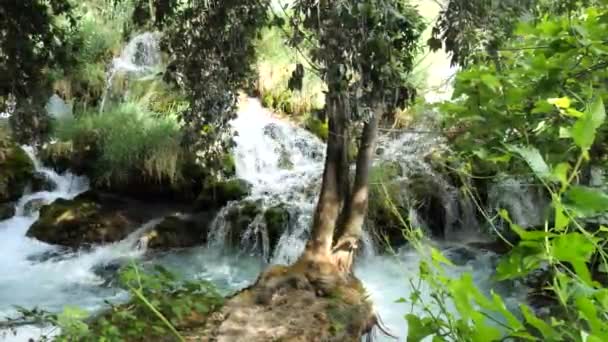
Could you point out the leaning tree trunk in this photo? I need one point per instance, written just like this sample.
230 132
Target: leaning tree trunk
317 298
356 210
334 186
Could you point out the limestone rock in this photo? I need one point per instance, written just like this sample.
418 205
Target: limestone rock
85 220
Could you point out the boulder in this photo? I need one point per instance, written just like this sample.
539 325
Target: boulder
239 217
7 210
177 232
277 221
218 194
16 171
85 220
42 182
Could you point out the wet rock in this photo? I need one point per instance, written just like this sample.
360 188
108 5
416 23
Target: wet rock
33 206
41 182
7 210
16 171
85 220
176 232
277 221
239 218
219 194
460 255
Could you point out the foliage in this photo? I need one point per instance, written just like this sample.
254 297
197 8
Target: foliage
161 304
540 110
374 63
96 38
130 139
212 44
31 42
534 94
276 63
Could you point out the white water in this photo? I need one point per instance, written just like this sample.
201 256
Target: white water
37 274
140 57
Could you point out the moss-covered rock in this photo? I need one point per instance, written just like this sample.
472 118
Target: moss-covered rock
16 171
317 127
85 220
7 210
239 217
218 194
277 221
41 182
176 232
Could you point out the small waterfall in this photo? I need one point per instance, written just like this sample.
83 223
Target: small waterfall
140 57
525 201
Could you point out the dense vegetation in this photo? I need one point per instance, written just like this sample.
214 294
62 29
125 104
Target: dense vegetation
528 104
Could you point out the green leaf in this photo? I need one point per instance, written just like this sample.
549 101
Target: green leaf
534 160
438 257
561 102
545 329
576 249
573 247
588 311
490 81
532 235
584 130
521 260
561 220
418 329
560 172
587 201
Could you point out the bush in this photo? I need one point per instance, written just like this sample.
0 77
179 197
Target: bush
129 139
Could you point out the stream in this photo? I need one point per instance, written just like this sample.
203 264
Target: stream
39 275
284 165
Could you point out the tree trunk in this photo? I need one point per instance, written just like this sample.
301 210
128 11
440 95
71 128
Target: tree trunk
347 244
331 197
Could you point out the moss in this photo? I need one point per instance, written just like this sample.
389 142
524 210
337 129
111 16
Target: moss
16 171
277 221
218 194
81 221
317 127
175 232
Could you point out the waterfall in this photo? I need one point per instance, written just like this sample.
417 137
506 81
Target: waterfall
284 164
35 274
140 57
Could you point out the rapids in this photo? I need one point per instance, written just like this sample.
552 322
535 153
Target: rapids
283 163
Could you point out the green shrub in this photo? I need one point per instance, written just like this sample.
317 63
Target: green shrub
130 139
317 127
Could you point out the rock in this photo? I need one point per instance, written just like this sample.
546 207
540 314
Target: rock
33 205
7 210
176 232
277 221
219 194
16 171
41 182
85 220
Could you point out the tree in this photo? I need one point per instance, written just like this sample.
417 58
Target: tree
212 48
466 27
30 42
364 51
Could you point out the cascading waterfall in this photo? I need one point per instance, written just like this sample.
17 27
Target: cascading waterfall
284 164
140 57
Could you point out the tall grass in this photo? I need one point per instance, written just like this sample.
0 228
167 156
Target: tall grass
130 140
276 62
